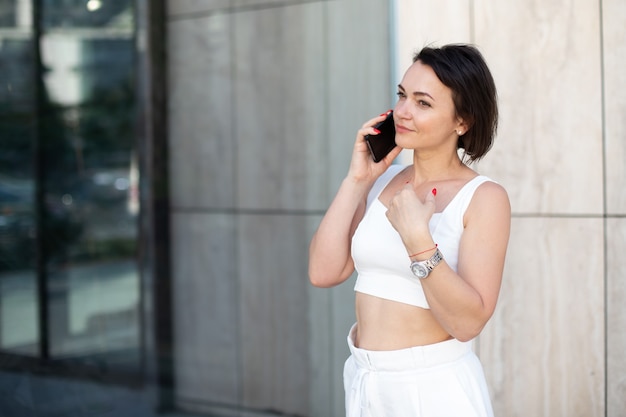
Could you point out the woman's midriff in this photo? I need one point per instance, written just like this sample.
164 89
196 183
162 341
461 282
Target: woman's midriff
390 325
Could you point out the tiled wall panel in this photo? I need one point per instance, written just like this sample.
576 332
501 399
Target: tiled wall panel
614 15
280 97
205 298
264 4
193 8
200 108
343 318
422 23
178 9
614 48
543 350
616 317
331 314
274 309
546 59
358 55
320 316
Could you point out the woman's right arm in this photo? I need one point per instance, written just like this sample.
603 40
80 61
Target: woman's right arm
330 258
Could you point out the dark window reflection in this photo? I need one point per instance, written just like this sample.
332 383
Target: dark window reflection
82 122
90 186
86 13
19 326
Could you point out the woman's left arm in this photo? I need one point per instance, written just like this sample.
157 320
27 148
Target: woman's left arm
463 301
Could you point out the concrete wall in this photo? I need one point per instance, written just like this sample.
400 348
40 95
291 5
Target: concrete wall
265 98
264 101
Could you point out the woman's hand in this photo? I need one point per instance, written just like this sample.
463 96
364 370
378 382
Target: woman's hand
410 215
362 166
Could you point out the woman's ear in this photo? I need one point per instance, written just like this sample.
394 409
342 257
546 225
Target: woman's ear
462 126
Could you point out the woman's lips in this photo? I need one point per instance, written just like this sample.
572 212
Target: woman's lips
402 129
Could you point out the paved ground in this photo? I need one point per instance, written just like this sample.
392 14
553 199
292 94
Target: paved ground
27 395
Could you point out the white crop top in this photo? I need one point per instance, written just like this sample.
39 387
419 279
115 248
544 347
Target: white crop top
380 258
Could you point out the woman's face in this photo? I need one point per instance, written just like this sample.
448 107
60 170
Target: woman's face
424 115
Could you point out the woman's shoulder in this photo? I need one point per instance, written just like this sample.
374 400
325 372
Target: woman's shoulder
483 185
488 187
489 197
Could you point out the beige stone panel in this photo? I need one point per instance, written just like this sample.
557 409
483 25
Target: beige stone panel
545 56
205 313
280 106
543 350
614 16
201 116
188 8
273 309
616 317
420 23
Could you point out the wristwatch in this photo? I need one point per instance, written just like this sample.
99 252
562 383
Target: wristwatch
421 269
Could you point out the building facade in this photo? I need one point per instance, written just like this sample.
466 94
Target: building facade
165 163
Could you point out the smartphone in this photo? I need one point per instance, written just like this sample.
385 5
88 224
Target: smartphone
380 145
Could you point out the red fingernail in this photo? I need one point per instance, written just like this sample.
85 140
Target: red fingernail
434 191
383 114
376 131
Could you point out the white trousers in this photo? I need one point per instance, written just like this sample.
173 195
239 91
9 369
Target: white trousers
440 380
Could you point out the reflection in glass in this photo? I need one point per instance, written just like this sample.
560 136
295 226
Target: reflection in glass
87 13
19 326
79 203
90 181
16 14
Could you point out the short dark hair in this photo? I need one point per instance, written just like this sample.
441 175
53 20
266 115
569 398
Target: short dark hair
463 69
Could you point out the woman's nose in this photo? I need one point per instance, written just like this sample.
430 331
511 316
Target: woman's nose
400 109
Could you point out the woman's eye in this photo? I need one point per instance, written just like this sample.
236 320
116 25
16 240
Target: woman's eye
400 94
423 103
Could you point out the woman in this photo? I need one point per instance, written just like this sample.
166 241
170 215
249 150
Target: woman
428 242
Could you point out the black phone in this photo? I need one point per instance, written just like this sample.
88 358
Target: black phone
380 145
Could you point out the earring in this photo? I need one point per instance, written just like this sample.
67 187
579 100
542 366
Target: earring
459 133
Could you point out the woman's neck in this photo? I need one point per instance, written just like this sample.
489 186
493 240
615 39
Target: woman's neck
436 168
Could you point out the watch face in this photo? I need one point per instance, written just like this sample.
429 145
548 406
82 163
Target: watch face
419 270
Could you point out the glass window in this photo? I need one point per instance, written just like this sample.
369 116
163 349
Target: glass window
19 327
69 181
